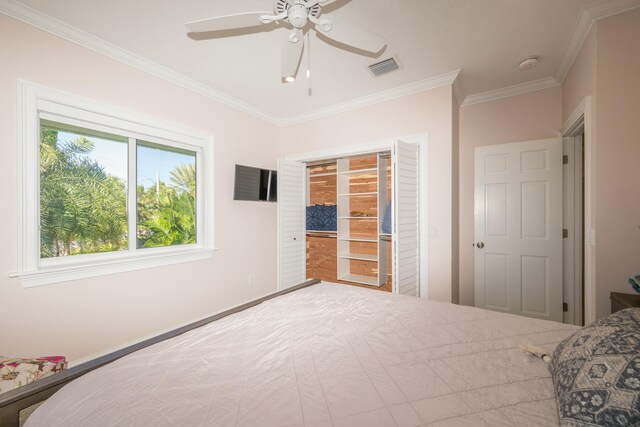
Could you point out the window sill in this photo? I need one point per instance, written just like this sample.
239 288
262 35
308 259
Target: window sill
83 270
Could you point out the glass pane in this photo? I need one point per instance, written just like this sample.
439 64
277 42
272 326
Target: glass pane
166 192
83 196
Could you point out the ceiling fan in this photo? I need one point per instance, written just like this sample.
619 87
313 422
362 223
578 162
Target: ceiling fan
298 13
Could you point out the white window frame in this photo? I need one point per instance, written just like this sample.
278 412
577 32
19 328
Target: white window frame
38 102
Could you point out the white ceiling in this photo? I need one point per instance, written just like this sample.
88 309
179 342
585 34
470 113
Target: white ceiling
485 38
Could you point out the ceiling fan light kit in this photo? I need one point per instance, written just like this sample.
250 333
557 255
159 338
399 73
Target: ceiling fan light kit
298 14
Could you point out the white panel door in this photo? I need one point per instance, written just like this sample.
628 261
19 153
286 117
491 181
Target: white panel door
518 228
406 271
291 224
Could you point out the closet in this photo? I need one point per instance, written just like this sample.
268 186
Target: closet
348 220
352 218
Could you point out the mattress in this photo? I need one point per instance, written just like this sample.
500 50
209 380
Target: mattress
327 355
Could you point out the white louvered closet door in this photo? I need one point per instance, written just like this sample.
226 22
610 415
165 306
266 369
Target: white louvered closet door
291 224
406 219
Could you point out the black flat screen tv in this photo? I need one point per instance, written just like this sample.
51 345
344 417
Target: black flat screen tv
255 184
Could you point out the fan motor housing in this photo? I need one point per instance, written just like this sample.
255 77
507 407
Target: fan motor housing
297 14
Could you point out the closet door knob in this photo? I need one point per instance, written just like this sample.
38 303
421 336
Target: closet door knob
480 245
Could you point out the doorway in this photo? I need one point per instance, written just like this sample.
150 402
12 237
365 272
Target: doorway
408 238
573 225
518 228
525 264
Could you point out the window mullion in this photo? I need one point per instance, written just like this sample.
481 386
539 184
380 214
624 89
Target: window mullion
132 185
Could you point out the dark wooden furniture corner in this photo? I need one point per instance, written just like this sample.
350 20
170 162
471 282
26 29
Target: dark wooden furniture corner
620 301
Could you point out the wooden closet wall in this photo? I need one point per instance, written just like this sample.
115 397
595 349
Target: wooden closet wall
322 247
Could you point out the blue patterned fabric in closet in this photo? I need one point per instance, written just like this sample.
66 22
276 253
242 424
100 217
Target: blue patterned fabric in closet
322 218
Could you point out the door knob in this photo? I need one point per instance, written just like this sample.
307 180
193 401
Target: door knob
480 245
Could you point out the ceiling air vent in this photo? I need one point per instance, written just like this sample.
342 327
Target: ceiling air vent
384 67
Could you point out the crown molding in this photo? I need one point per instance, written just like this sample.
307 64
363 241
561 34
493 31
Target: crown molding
506 92
376 98
458 89
577 39
51 25
44 22
607 8
588 16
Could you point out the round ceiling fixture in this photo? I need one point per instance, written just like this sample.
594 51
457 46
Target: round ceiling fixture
528 63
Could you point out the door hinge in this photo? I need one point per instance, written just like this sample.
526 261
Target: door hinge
565 307
565 233
565 159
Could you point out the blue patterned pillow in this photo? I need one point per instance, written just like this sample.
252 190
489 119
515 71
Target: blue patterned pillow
322 218
328 218
312 218
596 373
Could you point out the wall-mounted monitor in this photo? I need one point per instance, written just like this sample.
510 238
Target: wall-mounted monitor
255 184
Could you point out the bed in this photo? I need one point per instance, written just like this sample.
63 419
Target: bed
327 355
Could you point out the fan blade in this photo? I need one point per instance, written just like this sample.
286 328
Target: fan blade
228 22
291 55
348 32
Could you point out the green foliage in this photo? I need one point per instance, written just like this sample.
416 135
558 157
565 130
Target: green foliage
84 210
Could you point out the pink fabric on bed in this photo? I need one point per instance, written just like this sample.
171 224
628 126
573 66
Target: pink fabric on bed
16 372
327 355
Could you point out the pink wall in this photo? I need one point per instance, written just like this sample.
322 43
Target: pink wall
430 112
581 78
608 70
617 156
531 116
455 209
82 318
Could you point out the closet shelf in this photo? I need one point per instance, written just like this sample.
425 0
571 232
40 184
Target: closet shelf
327 234
323 174
359 239
358 217
358 171
370 193
359 278
386 237
360 257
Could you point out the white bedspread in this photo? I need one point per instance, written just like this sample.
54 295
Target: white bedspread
327 355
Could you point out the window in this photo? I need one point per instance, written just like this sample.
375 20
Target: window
112 191
165 196
83 192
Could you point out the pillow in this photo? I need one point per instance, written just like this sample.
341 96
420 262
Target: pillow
312 218
322 218
15 372
329 217
596 373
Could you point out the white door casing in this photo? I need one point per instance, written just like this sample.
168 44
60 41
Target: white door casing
573 223
406 219
291 223
518 228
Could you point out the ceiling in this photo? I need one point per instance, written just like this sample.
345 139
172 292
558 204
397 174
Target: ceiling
487 39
